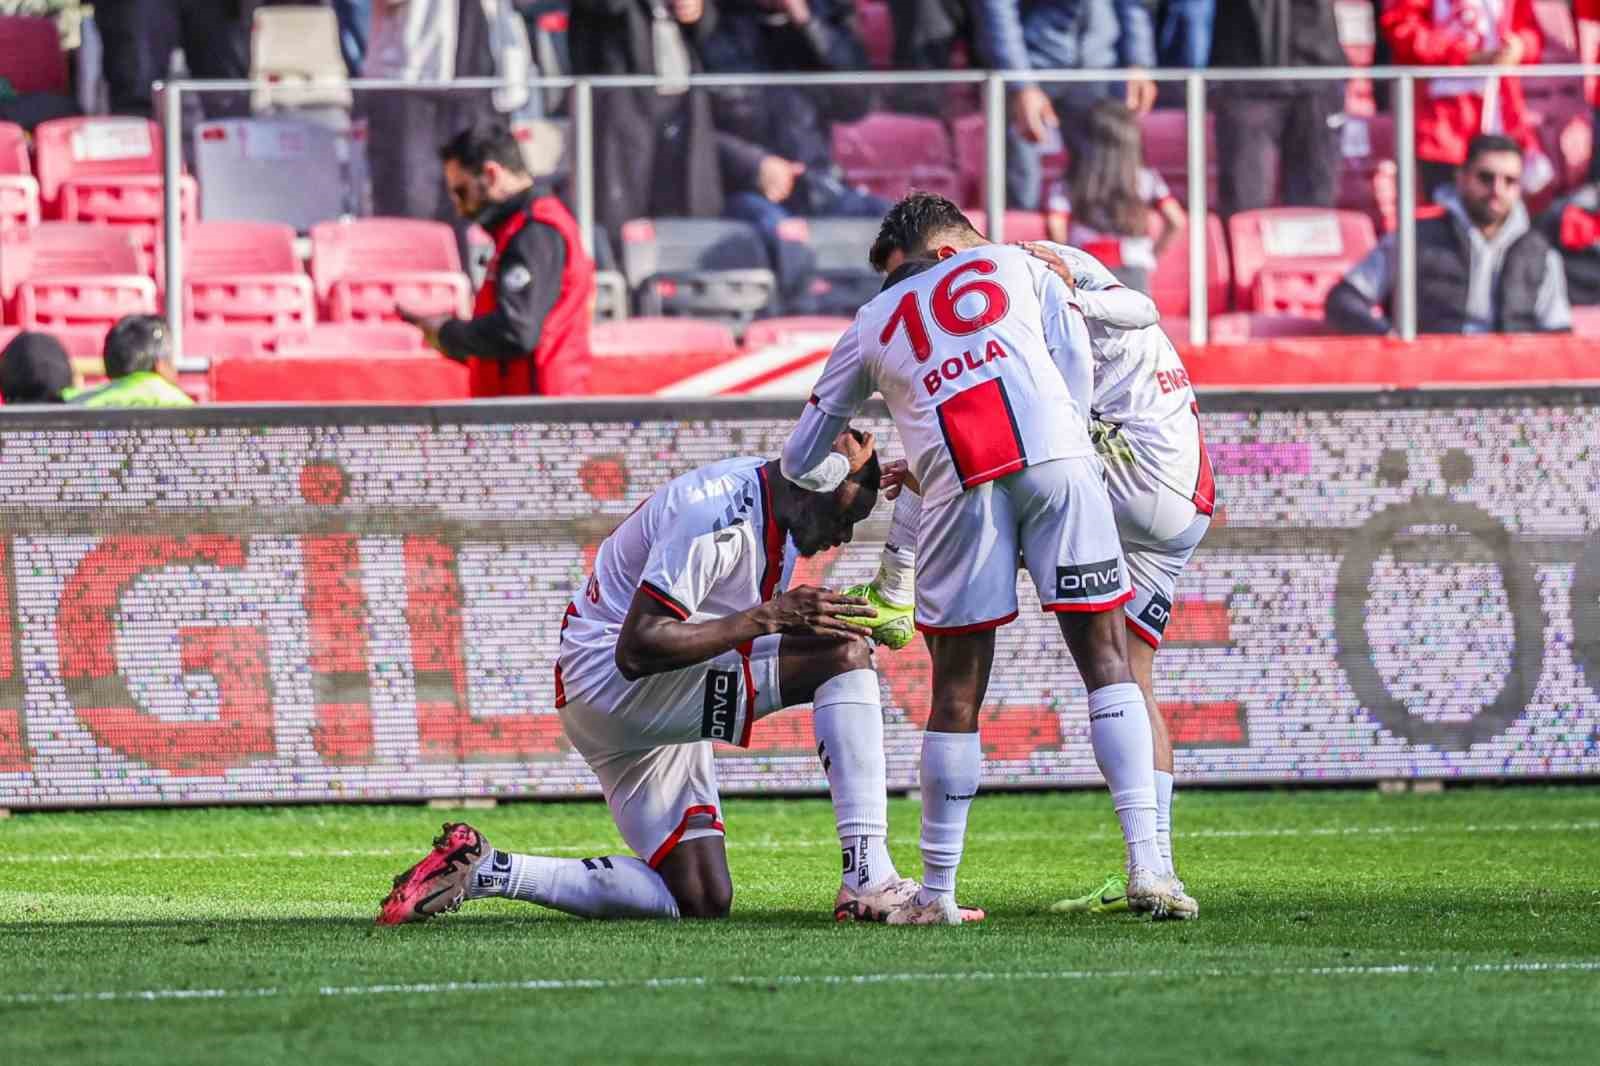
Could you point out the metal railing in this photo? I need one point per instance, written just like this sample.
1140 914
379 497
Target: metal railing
994 95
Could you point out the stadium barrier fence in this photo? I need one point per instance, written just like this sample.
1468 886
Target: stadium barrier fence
992 86
240 604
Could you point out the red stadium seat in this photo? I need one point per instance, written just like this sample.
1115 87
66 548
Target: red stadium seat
1020 225
970 136
14 149
345 339
55 251
87 300
356 266
1299 291
83 343
19 191
245 273
1169 282
103 169
765 331
1165 134
223 342
877 33
664 336
31 58
1303 238
891 154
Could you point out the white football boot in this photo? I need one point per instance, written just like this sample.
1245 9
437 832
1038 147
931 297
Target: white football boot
941 910
1161 896
874 904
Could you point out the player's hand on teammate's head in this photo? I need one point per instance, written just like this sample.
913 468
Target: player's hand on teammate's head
1047 256
896 476
818 612
858 452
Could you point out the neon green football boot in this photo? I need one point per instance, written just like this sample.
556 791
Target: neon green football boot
891 626
1109 898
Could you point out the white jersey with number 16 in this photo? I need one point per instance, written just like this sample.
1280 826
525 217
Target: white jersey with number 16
983 362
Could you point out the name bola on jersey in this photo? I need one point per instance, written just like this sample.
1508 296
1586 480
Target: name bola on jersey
952 369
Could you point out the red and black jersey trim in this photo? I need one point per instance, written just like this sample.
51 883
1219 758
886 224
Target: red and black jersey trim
665 600
981 433
775 536
561 684
1205 484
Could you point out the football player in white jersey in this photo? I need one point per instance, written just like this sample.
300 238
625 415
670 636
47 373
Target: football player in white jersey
985 366
683 634
1146 424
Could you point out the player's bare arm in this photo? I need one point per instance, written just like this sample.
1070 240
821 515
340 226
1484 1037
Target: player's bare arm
654 640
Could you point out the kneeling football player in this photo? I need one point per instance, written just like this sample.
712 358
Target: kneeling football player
683 635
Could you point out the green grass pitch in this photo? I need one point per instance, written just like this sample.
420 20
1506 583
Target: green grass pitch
1336 927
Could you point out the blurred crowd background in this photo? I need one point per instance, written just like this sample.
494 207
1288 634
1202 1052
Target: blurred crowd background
743 213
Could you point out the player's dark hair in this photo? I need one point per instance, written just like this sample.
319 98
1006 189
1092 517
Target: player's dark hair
1484 143
136 343
908 269
914 224
870 473
484 141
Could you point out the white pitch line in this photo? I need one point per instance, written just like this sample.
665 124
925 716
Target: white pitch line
773 844
607 984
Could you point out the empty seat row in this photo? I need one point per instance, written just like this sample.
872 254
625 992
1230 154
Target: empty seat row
235 272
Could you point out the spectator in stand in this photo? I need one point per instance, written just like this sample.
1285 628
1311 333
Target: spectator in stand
656 149
1183 32
777 144
140 366
1587 14
1103 206
1480 267
926 33
355 18
1280 134
1572 226
529 334
434 40
138 38
1451 111
1040 34
34 368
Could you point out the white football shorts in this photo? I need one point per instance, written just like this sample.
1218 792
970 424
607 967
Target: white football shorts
1160 530
649 741
1056 515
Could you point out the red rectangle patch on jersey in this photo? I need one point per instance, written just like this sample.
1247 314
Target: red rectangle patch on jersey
980 429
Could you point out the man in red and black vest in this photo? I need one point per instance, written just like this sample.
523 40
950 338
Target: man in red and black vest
529 330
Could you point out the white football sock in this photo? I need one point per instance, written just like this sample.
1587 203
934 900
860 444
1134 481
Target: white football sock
1119 730
615 886
1164 820
896 578
847 717
951 766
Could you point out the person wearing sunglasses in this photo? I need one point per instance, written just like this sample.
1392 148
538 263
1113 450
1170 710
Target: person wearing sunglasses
1481 266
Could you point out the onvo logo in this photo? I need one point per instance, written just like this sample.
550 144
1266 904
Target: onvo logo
1090 581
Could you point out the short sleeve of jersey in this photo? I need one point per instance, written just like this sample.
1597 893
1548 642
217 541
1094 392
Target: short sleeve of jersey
683 567
845 384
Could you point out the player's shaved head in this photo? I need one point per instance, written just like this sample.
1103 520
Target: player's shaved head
917 226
